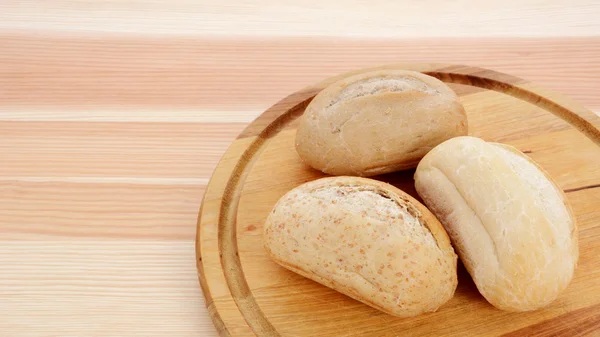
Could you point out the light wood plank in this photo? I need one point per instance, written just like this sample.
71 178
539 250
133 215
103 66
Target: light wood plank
137 75
375 18
73 288
43 210
181 152
130 114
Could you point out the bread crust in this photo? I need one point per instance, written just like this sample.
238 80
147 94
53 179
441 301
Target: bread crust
378 122
367 240
511 225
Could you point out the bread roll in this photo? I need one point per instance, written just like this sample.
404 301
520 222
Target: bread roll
365 239
378 122
510 224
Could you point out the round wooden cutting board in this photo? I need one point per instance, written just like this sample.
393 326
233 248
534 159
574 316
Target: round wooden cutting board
247 294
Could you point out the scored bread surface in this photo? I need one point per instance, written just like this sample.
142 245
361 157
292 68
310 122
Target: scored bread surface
509 222
378 122
365 239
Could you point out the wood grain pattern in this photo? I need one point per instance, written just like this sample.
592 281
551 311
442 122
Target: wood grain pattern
140 150
273 301
96 287
584 322
114 114
374 18
139 75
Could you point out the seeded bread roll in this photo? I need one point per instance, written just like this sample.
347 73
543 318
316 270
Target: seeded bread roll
510 224
378 122
366 239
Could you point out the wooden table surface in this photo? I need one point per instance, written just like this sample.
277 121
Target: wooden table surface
113 115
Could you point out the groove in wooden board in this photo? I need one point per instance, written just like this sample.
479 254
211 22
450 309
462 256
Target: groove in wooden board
299 102
70 72
582 188
104 287
309 18
572 170
227 233
42 211
563 303
114 150
207 250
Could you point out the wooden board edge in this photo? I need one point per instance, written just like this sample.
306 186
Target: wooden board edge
214 192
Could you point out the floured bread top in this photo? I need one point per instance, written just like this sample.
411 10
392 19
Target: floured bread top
508 220
365 239
379 85
546 195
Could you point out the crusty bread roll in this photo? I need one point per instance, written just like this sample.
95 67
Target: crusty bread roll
378 122
366 239
510 224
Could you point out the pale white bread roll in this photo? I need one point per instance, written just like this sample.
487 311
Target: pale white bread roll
367 240
378 122
509 222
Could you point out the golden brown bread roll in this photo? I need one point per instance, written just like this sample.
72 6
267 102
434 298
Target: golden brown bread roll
378 122
510 224
366 239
